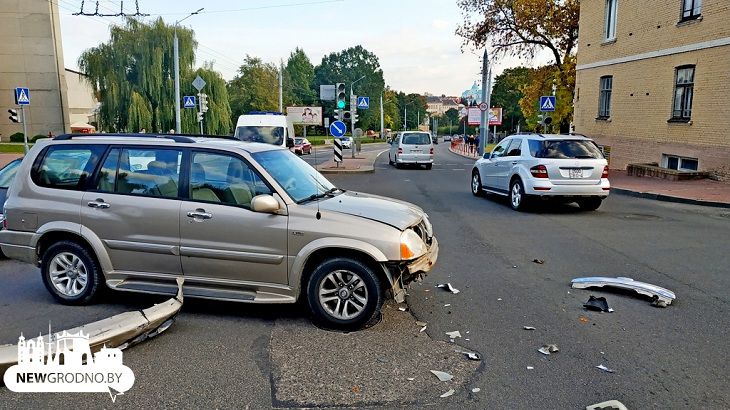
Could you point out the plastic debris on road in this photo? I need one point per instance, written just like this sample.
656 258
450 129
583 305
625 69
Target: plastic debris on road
447 305
583 319
454 334
605 369
448 287
597 304
402 309
539 261
530 368
423 329
499 299
528 328
607 405
443 376
410 379
476 390
419 323
448 393
657 293
547 349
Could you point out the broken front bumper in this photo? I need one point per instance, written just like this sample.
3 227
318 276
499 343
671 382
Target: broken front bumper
425 262
404 272
659 293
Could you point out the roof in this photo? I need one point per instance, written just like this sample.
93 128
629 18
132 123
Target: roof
182 140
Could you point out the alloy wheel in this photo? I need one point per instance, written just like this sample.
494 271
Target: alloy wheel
343 294
68 274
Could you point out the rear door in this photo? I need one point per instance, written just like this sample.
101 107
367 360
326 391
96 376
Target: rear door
491 169
510 159
221 238
134 206
572 162
416 146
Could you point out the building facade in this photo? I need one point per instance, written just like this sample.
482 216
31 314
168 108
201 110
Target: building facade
31 55
653 82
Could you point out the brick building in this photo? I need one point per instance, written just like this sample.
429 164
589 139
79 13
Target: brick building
653 81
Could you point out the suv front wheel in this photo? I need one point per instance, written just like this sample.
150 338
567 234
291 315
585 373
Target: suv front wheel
345 294
70 272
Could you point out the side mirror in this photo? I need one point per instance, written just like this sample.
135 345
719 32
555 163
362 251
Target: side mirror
486 155
266 204
289 142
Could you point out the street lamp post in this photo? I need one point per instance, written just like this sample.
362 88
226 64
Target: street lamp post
177 72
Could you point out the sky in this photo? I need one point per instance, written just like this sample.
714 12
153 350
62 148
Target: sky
413 39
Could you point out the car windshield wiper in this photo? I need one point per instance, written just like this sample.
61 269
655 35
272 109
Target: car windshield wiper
330 192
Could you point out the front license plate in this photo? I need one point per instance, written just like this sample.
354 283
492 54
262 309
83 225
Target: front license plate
575 173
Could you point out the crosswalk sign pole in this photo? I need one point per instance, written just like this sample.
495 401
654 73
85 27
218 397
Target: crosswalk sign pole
25 129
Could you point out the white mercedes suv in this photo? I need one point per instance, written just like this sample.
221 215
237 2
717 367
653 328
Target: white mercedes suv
570 168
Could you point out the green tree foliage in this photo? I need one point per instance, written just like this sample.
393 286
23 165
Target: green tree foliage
347 66
133 76
541 81
507 93
255 88
299 80
217 120
413 106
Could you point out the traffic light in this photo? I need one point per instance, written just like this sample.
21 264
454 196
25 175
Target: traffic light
203 102
13 115
547 121
341 95
354 116
347 116
200 116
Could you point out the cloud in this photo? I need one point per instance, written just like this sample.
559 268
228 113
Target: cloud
440 24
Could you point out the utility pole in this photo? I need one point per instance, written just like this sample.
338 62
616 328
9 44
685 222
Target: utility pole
382 127
405 118
176 51
281 87
486 96
25 129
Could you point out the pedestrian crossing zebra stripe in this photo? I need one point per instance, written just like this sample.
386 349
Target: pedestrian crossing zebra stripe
338 150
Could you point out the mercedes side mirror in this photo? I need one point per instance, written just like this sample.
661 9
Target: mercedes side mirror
290 142
265 204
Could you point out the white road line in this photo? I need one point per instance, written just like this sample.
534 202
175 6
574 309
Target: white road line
459 169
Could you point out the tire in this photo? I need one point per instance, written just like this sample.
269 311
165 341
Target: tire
331 313
589 204
78 263
476 184
397 165
429 166
517 198
390 161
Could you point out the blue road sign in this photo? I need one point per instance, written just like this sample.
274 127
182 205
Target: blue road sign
189 101
338 129
547 103
363 103
22 96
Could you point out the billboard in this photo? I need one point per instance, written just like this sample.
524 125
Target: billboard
474 116
305 115
495 116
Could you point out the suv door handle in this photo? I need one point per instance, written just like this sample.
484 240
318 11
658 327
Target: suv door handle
200 214
99 204
514 162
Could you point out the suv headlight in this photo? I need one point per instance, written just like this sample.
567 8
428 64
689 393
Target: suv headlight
411 245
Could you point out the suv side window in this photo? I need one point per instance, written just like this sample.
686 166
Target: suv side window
148 171
514 149
225 179
500 149
67 166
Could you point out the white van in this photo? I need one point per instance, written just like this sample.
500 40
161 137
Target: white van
265 126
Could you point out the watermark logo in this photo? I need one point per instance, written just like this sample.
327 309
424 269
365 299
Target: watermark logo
63 363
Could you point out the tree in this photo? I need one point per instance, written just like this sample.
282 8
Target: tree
255 88
217 120
299 79
522 27
133 76
347 66
507 93
541 81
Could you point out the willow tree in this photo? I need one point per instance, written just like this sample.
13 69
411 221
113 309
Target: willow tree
133 77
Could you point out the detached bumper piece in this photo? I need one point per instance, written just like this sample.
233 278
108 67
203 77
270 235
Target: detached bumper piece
122 330
660 296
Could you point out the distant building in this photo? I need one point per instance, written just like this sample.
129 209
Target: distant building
439 105
473 94
31 55
653 82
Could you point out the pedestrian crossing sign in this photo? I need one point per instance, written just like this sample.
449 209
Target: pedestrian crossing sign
547 103
22 96
189 101
363 103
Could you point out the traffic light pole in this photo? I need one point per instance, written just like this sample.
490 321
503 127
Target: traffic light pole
25 129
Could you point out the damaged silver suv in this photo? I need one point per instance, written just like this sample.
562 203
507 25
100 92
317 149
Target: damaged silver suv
238 221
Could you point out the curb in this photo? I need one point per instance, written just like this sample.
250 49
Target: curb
367 169
669 198
463 155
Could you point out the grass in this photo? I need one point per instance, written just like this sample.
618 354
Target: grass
12 148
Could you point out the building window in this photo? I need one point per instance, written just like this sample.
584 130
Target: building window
683 90
691 9
679 163
604 97
609 30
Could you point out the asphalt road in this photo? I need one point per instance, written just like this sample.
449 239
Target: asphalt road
219 354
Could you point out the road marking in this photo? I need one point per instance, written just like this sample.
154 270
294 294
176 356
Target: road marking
459 169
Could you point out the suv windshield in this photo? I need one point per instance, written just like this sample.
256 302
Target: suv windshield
565 149
421 138
299 179
260 133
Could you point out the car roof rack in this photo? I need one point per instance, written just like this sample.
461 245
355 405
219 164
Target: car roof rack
182 138
529 133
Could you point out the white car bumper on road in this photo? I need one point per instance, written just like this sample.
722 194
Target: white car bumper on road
415 159
546 188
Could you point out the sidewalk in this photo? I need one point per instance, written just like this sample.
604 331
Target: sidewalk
459 149
704 192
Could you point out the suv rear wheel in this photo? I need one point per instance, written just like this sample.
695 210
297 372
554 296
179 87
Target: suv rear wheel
589 204
476 184
517 198
70 272
345 294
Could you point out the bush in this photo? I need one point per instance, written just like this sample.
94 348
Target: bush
17 137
